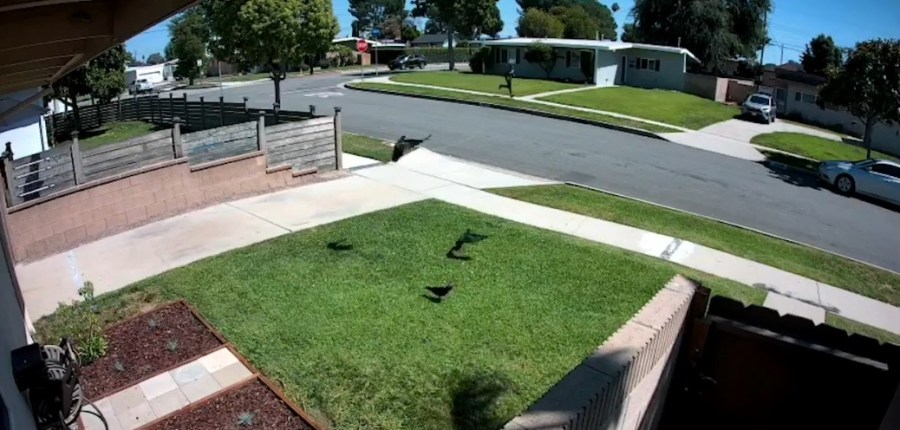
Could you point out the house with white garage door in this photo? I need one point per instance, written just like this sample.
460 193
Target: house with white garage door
610 62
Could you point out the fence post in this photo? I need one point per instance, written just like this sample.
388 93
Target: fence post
159 110
202 114
119 108
9 176
77 166
187 117
338 140
177 148
221 111
172 107
312 111
246 111
261 143
275 108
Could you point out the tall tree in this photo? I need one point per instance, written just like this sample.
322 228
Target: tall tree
576 19
470 18
189 36
543 55
820 55
629 34
129 58
537 23
714 30
155 58
410 31
377 15
271 32
868 85
103 78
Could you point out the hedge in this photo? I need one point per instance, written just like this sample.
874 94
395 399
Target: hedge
442 55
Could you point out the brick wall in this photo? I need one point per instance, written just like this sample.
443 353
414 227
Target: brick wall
104 207
614 387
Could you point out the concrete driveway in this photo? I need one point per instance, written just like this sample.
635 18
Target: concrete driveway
745 130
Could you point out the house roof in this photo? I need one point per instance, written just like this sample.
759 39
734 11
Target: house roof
606 45
431 38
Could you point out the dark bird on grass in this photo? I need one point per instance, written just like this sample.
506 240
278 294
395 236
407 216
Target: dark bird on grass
442 292
458 252
340 245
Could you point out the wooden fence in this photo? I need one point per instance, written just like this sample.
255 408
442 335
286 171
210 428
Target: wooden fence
194 115
301 146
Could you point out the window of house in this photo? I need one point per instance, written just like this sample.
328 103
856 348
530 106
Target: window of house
809 98
573 59
644 63
497 55
504 56
518 55
797 96
656 65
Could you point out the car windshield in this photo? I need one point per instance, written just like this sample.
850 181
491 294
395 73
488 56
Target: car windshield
446 241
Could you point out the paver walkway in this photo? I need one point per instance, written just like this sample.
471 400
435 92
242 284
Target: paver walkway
115 262
168 392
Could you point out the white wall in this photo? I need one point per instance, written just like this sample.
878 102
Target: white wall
670 75
524 69
25 128
608 73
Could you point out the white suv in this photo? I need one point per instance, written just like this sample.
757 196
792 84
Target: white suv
140 86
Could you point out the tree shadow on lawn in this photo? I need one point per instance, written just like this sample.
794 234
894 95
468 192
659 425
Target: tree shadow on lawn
475 398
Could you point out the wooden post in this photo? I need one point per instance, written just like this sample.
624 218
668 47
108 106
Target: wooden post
119 108
9 176
246 111
152 111
338 140
187 117
202 114
77 167
275 109
312 111
177 148
172 107
261 132
221 111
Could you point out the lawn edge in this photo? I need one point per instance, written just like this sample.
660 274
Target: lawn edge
616 127
743 227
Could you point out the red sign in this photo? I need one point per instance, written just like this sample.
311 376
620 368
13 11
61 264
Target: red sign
362 45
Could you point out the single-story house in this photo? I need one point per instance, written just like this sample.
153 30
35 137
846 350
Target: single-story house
796 95
432 41
613 63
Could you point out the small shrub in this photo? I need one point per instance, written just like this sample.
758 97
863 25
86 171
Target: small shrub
119 366
153 324
246 419
324 63
480 60
172 345
80 322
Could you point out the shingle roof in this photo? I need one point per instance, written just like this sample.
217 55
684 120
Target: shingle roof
608 45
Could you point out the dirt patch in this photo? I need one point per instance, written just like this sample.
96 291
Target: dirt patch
145 346
254 403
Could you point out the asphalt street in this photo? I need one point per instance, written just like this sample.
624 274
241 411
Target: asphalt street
779 202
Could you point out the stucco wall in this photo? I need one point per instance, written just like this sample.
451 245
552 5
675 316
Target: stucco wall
524 69
608 73
670 75
706 86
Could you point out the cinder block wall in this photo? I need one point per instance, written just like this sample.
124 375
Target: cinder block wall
104 207
613 387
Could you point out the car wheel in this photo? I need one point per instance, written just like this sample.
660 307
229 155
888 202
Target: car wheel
421 66
845 184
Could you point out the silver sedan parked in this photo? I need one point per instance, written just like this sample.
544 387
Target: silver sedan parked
874 178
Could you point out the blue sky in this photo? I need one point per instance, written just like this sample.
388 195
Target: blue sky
792 23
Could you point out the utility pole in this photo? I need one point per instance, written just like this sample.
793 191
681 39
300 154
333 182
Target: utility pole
762 53
782 54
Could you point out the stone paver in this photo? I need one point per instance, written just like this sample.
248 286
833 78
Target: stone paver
169 391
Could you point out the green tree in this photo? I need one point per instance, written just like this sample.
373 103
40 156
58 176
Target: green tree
410 31
537 23
377 14
579 25
470 18
189 36
714 30
129 58
868 85
543 55
69 87
155 58
270 32
820 55
629 33
106 74
599 15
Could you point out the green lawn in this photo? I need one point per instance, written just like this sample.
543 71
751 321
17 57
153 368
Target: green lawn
804 261
515 103
365 146
670 107
352 339
482 83
815 147
851 326
114 132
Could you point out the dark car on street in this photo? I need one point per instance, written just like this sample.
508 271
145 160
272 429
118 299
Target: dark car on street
408 62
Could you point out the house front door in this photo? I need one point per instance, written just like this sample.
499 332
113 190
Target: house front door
624 68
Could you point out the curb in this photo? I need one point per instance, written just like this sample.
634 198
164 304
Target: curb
779 165
743 227
620 128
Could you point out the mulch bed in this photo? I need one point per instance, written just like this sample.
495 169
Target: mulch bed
224 412
141 345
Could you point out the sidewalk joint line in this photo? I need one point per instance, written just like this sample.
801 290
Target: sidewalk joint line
287 230
670 249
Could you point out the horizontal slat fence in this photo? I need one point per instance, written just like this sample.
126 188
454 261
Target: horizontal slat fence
195 115
302 145
40 174
131 154
218 143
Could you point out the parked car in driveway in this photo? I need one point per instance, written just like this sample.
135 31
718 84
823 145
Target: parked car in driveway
408 62
760 106
141 86
874 178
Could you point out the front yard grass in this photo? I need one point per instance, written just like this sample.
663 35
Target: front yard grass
802 260
504 101
482 83
115 132
351 337
670 107
817 148
368 147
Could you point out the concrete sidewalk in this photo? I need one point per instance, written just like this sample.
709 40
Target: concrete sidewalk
116 261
